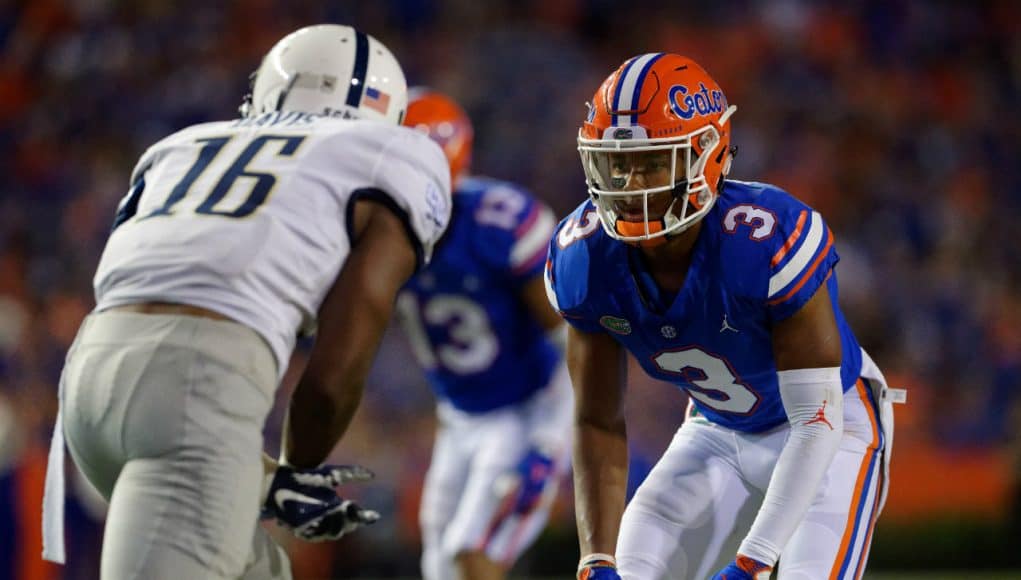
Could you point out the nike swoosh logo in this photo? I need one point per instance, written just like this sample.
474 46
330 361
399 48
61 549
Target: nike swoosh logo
285 495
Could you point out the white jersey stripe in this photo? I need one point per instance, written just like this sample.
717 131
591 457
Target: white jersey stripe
793 269
534 240
551 294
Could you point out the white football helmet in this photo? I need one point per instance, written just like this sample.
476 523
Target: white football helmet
331 70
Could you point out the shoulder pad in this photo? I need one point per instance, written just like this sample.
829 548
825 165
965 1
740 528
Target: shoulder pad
568 272
518 225
399 163
784 248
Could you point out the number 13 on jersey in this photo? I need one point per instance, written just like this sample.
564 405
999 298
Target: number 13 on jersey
470 346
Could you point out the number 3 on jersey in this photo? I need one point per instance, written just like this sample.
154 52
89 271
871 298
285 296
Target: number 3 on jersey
714 383
258 190
470 347
575 230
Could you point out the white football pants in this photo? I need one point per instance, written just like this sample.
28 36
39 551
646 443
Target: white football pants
472 478
164 415
691 513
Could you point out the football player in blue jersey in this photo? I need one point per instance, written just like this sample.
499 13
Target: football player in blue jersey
728 290
491 347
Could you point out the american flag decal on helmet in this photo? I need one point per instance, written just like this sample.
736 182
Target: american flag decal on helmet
376 100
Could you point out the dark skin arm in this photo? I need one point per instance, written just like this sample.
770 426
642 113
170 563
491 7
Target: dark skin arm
352 320
597 366
533 294
809 339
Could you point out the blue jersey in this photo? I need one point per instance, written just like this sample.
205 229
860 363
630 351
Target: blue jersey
478 343
760 256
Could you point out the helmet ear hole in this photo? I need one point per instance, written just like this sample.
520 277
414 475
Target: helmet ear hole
708 139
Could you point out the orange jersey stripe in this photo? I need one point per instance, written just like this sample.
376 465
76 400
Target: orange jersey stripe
872 525
808 273
790 240
879 484
846 541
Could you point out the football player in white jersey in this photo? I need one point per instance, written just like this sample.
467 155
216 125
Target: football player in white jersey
307 214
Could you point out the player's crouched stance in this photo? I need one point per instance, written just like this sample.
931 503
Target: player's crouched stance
307 214
728 290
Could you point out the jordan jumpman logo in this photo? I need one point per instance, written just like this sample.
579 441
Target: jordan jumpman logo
726 325
820 417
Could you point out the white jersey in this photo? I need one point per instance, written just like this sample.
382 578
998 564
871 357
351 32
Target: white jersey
250 218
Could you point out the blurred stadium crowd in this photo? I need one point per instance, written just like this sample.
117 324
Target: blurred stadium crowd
898 120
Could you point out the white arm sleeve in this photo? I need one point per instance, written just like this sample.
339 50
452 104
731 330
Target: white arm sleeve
814 402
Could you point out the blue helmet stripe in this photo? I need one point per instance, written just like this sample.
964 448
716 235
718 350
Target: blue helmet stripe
616 91
638 85
354 92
